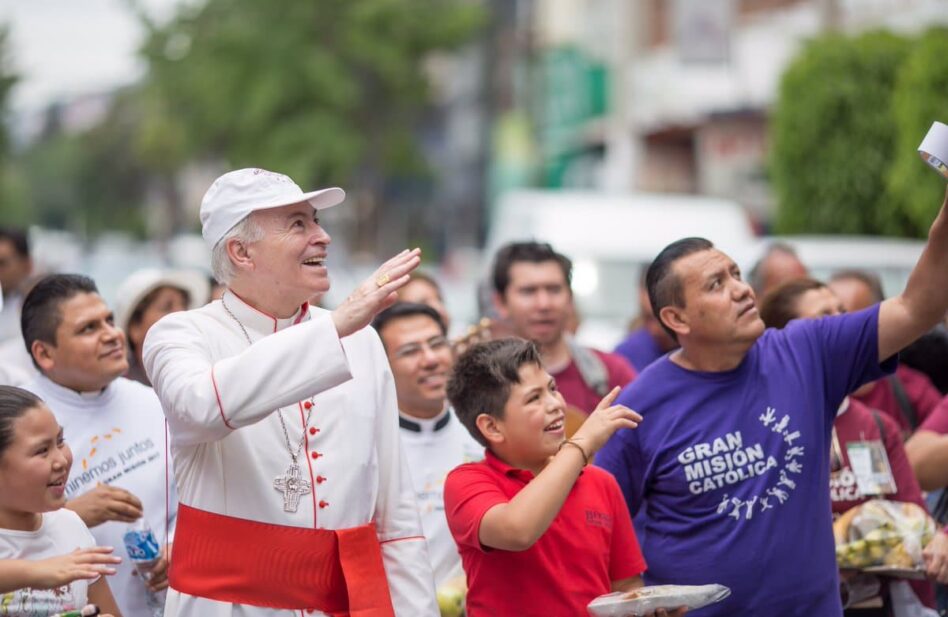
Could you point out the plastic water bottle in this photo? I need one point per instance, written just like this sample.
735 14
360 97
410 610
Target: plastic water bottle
143 551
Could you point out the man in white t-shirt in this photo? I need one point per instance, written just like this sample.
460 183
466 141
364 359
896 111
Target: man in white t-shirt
114 426
434 441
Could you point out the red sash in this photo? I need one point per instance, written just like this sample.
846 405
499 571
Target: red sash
229 559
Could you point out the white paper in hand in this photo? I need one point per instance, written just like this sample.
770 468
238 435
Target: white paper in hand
934 148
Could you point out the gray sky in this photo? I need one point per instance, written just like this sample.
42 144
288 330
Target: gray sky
62 48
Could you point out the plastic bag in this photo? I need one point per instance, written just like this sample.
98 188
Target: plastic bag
906 604
648 599
883 533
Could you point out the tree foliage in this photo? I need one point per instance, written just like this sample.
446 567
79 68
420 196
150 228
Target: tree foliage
88 181
921 96
834 137
323 91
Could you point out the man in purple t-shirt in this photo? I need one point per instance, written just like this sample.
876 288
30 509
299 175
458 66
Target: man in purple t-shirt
730 462
532 292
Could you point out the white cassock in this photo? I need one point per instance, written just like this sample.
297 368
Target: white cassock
220 396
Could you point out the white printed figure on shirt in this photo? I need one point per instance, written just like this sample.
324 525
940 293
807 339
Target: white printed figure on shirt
736 512
728 460
782 425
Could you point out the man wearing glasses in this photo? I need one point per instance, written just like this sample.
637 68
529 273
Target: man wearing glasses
433 441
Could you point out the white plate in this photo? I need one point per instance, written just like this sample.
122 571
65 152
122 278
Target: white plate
648 599
912 573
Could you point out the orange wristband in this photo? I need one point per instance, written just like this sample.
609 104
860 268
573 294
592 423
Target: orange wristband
570 442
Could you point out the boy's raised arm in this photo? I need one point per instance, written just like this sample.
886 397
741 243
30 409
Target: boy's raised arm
519 523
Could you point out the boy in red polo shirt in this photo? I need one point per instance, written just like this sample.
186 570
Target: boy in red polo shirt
539 532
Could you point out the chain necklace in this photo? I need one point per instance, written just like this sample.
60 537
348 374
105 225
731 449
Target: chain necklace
291 483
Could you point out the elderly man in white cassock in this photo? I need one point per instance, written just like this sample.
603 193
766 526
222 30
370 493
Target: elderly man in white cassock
294 496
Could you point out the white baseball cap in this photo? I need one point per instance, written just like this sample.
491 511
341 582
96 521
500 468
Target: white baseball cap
236 194
142 282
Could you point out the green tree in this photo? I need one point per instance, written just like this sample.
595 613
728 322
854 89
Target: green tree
90 181
833 137
921 97
325 91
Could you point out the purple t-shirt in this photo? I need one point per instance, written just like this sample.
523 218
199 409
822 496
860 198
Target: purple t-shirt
733 467
640 349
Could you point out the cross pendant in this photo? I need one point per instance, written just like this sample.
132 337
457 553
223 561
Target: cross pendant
292 485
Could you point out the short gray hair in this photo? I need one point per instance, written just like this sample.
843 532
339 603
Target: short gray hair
246 231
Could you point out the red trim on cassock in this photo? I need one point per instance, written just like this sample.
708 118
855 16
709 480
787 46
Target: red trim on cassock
220 406
228 559
309 463
400 539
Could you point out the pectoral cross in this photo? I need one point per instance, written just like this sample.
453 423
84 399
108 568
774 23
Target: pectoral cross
292 485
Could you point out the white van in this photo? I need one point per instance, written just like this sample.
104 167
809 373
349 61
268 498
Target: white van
610 237
891 259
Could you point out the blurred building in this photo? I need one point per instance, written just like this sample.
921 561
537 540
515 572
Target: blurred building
665 95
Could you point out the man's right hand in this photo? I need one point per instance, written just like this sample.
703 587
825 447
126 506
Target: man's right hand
605 420
375 294
106 503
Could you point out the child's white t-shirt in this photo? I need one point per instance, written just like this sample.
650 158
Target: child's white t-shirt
60 532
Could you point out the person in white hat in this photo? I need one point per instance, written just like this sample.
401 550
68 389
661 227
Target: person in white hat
283 422
148 295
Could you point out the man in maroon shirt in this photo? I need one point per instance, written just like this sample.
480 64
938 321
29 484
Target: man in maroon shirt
909 396
532 292
928 449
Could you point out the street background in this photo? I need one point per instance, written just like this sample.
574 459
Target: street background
602 126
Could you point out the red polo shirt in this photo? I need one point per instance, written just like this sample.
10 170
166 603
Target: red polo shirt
589 544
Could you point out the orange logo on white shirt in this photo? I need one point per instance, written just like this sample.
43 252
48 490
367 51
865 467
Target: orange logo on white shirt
94 446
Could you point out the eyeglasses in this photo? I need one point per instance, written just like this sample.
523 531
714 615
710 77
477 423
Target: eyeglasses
434 344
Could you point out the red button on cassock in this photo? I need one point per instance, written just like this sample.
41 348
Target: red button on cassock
315 455
313 430
323 504
320 479
307 405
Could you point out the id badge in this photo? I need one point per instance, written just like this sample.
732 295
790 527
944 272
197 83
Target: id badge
870 464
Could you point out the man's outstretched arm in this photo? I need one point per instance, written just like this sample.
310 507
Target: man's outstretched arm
924 301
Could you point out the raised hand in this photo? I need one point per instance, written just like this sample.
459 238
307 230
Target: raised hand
106 503
605 420
87 563
376 293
